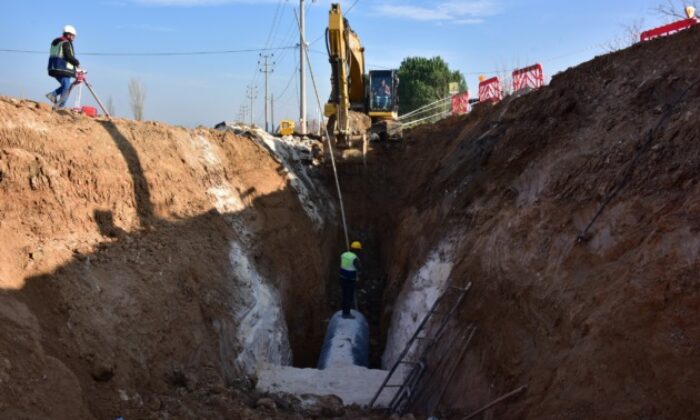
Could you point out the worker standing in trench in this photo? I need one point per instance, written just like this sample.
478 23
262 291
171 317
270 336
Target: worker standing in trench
350 265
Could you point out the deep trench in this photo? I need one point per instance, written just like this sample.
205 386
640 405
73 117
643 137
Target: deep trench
370 198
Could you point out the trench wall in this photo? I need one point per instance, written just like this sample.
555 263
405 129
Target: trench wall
138 260
599 325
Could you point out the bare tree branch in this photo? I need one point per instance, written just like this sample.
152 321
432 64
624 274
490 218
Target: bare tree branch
137 95
629 36
110 106
675 9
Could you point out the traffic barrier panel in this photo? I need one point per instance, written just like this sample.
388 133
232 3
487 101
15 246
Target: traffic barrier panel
528 78
460 103
490 90
669 29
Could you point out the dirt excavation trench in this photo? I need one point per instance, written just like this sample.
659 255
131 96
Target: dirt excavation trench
155 272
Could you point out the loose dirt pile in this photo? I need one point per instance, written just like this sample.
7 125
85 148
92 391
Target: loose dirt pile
146 270
601 324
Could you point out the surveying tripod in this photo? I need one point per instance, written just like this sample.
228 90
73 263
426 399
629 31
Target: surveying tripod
80 78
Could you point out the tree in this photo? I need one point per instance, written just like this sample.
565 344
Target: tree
137 95
110 106
675 9
425 80
629 36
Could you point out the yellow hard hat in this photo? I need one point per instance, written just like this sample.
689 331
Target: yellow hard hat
482 78
356 245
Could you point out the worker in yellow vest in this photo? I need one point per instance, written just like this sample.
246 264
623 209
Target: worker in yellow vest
349 267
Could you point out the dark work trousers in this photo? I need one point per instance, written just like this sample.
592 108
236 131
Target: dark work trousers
348 287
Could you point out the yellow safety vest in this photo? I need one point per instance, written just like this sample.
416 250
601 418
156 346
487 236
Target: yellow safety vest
347 261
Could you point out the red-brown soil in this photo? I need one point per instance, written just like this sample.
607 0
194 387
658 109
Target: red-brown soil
607 326
117 293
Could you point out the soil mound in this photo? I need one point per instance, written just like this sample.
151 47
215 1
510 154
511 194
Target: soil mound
574 211
145 270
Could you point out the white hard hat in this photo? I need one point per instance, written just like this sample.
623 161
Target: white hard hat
69 29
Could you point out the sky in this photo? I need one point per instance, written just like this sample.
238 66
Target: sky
473 36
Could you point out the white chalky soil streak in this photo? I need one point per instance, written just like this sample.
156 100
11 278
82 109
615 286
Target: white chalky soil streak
418 295
262 329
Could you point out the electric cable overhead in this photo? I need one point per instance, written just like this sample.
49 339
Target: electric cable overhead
256 71
160 54
275 25
353 5
289 83
287 39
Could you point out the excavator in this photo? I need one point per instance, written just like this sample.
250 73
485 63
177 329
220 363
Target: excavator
362 107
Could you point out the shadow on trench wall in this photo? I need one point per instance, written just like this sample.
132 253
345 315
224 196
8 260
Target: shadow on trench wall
149 308
142 193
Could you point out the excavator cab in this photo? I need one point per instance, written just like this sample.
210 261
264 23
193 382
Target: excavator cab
383 93
383 105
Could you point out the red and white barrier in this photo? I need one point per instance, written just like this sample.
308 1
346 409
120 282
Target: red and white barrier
528 78
669 29
490 90
460 103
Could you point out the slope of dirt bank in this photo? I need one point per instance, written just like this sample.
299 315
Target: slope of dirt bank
605 327
142 268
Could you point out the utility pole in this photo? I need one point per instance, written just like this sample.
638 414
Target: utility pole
242 113
252 95
266 69
272 110
302 69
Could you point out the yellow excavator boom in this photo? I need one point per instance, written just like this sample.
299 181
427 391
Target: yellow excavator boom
361 106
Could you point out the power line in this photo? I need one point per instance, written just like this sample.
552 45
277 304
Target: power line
254 79
317 39
288 37
274 28
289 83
160 54
353 5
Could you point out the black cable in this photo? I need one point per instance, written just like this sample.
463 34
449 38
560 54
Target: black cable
289 83
627 175
158 54
353 5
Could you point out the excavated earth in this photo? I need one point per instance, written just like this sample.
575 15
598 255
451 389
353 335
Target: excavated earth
597 323
147 270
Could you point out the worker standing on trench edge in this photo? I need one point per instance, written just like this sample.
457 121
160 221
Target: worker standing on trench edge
349 267
62 66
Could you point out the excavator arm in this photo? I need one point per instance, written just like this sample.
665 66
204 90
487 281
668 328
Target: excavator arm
348 93
361 106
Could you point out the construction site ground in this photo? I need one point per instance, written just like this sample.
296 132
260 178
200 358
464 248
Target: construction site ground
150 271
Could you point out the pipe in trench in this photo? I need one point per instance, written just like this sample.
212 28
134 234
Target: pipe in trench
346 342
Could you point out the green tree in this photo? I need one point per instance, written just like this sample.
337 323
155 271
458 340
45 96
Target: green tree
425 80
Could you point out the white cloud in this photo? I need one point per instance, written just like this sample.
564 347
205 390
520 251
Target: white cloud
462 12
472 21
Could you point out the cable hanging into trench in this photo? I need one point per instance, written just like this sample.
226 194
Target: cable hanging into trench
328 139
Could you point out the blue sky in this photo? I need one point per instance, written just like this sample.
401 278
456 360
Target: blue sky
474 36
